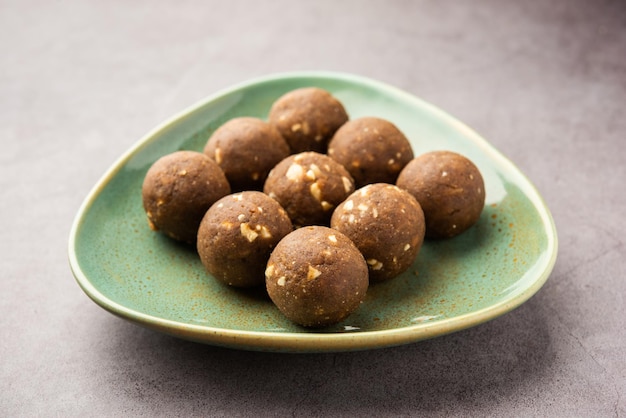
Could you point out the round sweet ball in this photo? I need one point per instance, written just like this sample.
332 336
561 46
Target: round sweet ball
316 276
237 235
307 118
309 186
177 191
449 188
386 224
246 149
373 150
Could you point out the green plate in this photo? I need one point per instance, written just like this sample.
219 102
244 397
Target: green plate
146 278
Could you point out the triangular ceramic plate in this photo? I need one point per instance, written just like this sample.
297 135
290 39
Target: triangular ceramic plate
454 284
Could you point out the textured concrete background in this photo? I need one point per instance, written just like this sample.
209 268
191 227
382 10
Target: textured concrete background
545 82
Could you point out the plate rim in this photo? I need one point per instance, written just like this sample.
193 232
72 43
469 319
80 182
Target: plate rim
312 341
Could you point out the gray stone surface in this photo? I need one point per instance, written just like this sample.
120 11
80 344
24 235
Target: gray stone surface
545 82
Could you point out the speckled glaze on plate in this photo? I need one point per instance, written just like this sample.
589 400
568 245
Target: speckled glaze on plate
454 284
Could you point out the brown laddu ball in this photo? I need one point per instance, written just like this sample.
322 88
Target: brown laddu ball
316 276
450 189
246 149
386 224
177 191
307 118
237 235
309 185
372 149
